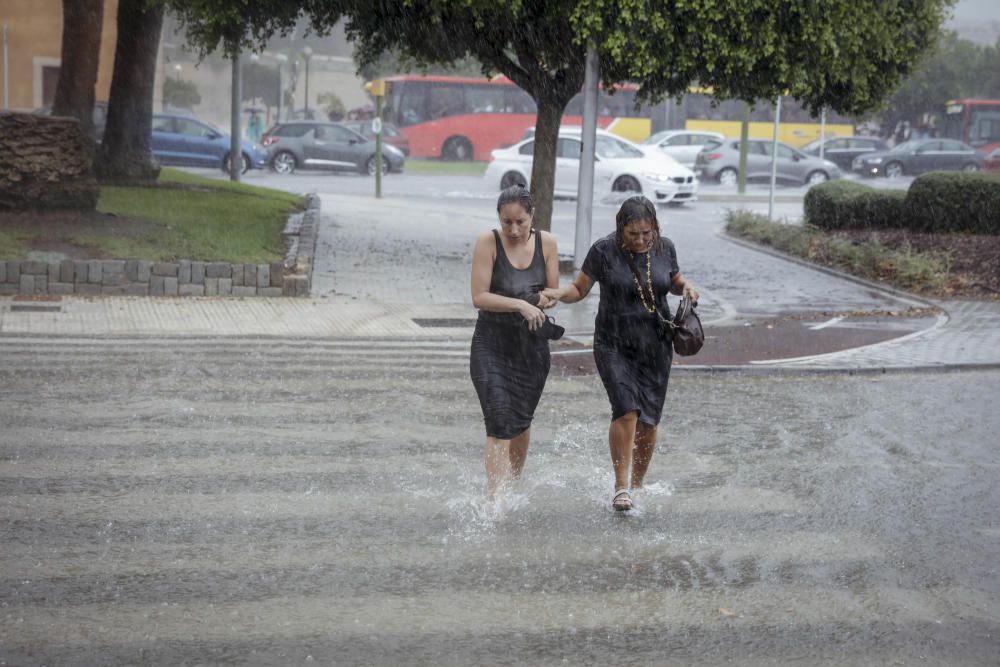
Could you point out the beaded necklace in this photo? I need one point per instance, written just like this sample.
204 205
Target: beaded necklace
649 307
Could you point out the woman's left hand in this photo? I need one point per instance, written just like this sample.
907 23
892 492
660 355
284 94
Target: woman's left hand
545 301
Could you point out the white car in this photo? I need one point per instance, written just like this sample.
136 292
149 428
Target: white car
683 145
620 166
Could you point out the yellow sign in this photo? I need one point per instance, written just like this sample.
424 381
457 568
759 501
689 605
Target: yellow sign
376 87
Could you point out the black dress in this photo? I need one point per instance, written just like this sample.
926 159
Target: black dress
632 349
509 364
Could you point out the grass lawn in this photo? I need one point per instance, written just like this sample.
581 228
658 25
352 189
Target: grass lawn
422 166
183 217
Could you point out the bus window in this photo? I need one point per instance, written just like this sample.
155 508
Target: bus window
413 104
485 99
985 127
519 101
446 99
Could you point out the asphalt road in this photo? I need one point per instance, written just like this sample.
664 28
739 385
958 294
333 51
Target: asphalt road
287 502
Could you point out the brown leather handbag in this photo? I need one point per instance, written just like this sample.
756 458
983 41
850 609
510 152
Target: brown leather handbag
686 326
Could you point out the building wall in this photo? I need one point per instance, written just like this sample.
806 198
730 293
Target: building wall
34 42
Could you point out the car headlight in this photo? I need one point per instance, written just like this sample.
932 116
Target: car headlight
661 178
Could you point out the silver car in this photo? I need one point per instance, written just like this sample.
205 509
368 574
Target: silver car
721 163
683 145
304 144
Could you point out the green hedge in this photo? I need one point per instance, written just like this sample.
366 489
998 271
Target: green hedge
954 202
850 205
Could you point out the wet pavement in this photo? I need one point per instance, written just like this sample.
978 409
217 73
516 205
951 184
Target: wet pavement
290 501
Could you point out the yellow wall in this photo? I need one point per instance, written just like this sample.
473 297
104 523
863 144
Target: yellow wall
793 134
34 40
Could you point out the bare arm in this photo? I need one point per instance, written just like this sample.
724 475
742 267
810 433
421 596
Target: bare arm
575 291
483 256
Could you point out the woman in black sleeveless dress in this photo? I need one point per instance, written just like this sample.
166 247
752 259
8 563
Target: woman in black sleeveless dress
509 360
636 268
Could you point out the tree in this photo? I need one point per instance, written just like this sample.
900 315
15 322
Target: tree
332 105
126 151
180 94
844 54
81 49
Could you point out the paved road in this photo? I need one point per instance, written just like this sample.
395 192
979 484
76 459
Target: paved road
287 502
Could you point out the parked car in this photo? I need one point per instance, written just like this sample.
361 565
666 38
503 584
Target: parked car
314 145
919 155
99 118
620 166
992 162
183 140
390 134
721 163
683 145
842 150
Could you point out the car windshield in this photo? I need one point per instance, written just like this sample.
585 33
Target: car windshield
812 145
905 147
613 148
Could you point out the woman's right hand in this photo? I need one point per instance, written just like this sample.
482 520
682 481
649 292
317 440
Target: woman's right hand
554 293
532 314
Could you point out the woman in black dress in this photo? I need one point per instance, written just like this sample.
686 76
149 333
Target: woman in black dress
510 360
636 268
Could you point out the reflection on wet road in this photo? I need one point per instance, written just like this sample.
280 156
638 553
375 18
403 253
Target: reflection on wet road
199 502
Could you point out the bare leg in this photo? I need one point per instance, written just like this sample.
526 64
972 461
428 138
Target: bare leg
621 437
498 470
519 452
645 443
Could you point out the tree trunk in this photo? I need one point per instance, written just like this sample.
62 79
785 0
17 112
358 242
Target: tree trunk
126 153
543 165
81 50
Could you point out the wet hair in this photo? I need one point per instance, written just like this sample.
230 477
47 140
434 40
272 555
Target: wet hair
636 209
516 194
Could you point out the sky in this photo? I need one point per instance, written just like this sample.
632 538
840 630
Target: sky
978 20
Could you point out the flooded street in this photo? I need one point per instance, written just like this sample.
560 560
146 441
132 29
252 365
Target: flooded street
303 501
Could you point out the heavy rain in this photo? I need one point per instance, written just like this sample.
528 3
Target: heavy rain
303 407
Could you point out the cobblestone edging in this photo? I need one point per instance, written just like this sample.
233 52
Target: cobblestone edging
137 277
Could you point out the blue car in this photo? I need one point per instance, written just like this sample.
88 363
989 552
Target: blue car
186 141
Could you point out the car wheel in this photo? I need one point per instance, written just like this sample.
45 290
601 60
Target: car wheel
817 177
510 179
245 167
728 176
971 167
893 170
457 148
626 184
371 165
284 163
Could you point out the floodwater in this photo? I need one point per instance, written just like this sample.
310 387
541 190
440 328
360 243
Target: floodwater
281 502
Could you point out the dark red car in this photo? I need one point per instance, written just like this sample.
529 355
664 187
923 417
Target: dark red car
992 162
390 133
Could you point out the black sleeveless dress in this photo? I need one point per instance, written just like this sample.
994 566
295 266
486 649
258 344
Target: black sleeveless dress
632 350
509 364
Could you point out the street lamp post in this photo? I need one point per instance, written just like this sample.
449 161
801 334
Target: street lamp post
307 54
281 58
177 71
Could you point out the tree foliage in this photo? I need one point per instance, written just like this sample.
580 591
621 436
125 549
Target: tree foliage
180 93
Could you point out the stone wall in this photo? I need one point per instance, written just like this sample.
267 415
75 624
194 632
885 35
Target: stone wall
137 277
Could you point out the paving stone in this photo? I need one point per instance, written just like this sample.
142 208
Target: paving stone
34 268
270 291
113 290
42 284
88 289
288 286
302 287
277 269
80 270
191 290
95 270
67 270
113 279
61 288
13 273
218 270
165 269
27 285
114 266
143 271
263 275
237 274
137 289
198 273
211 286
250 275
156 285
184 272
3 272
243 290
54 272
7 289
225 286
170 286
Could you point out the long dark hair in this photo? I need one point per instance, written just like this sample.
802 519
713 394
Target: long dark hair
636 209
516 194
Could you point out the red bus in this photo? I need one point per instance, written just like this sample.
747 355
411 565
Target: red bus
976 122
463 118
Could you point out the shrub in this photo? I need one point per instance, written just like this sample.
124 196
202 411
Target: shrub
849 205
954 202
